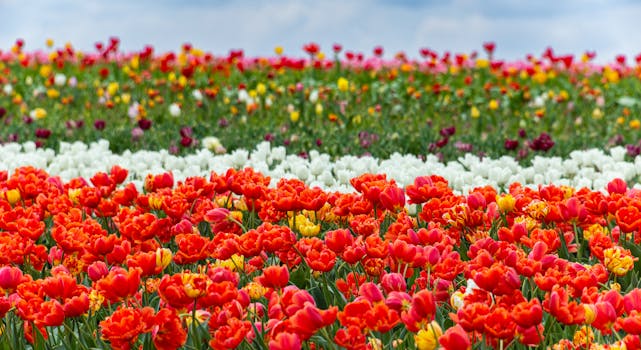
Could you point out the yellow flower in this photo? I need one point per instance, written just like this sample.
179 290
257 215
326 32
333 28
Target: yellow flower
95 300
197 52
163 257
506 202
74 195
590 313
537 209
38 113
585 58
494 105
49 42
583 337
182 59
182 81
635 124
597 114
53 93
592 230
610 74
294 116
615 286
482 63
126 98
278 50
427 339
261 89
45 71
564 95
618 260
343 84
134 62
305 226
371 110
540 77
474 112
456 300
12 196
236 262
192 284
319 109
155 202
309 229
255 290
112 88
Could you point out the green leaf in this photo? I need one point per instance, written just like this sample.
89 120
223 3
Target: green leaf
299 278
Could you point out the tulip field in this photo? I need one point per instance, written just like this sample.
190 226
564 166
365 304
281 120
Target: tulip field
318 200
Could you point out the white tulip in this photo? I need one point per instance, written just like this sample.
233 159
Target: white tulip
59 79
174 110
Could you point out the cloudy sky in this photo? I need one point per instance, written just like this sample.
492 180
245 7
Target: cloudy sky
518 27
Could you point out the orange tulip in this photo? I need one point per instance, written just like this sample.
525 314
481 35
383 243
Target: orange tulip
168 332
392 198
123 327
422 310
154 183
528 313
427 187
631 324
351 338
285 341
229 335
321 260
275 277
119 284
455 338
308 320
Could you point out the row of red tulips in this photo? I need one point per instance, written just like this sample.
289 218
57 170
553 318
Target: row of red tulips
230 262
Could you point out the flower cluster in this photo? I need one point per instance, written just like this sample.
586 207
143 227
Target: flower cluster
230 261
588 168
341 103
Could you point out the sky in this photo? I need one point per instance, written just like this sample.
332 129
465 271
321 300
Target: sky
518 27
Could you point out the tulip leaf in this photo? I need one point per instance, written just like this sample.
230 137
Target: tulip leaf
319 297
635 249
299 278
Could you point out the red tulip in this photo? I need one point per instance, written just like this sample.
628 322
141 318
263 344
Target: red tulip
275 277
455 338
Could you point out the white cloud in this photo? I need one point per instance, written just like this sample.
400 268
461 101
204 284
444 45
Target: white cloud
518 27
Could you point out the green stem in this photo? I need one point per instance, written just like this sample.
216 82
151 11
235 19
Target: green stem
71 331
194 325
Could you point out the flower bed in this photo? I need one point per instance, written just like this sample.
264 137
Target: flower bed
355 202
230 262
591 168
444 104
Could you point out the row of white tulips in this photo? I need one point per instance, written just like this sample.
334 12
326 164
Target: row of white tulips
591 168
